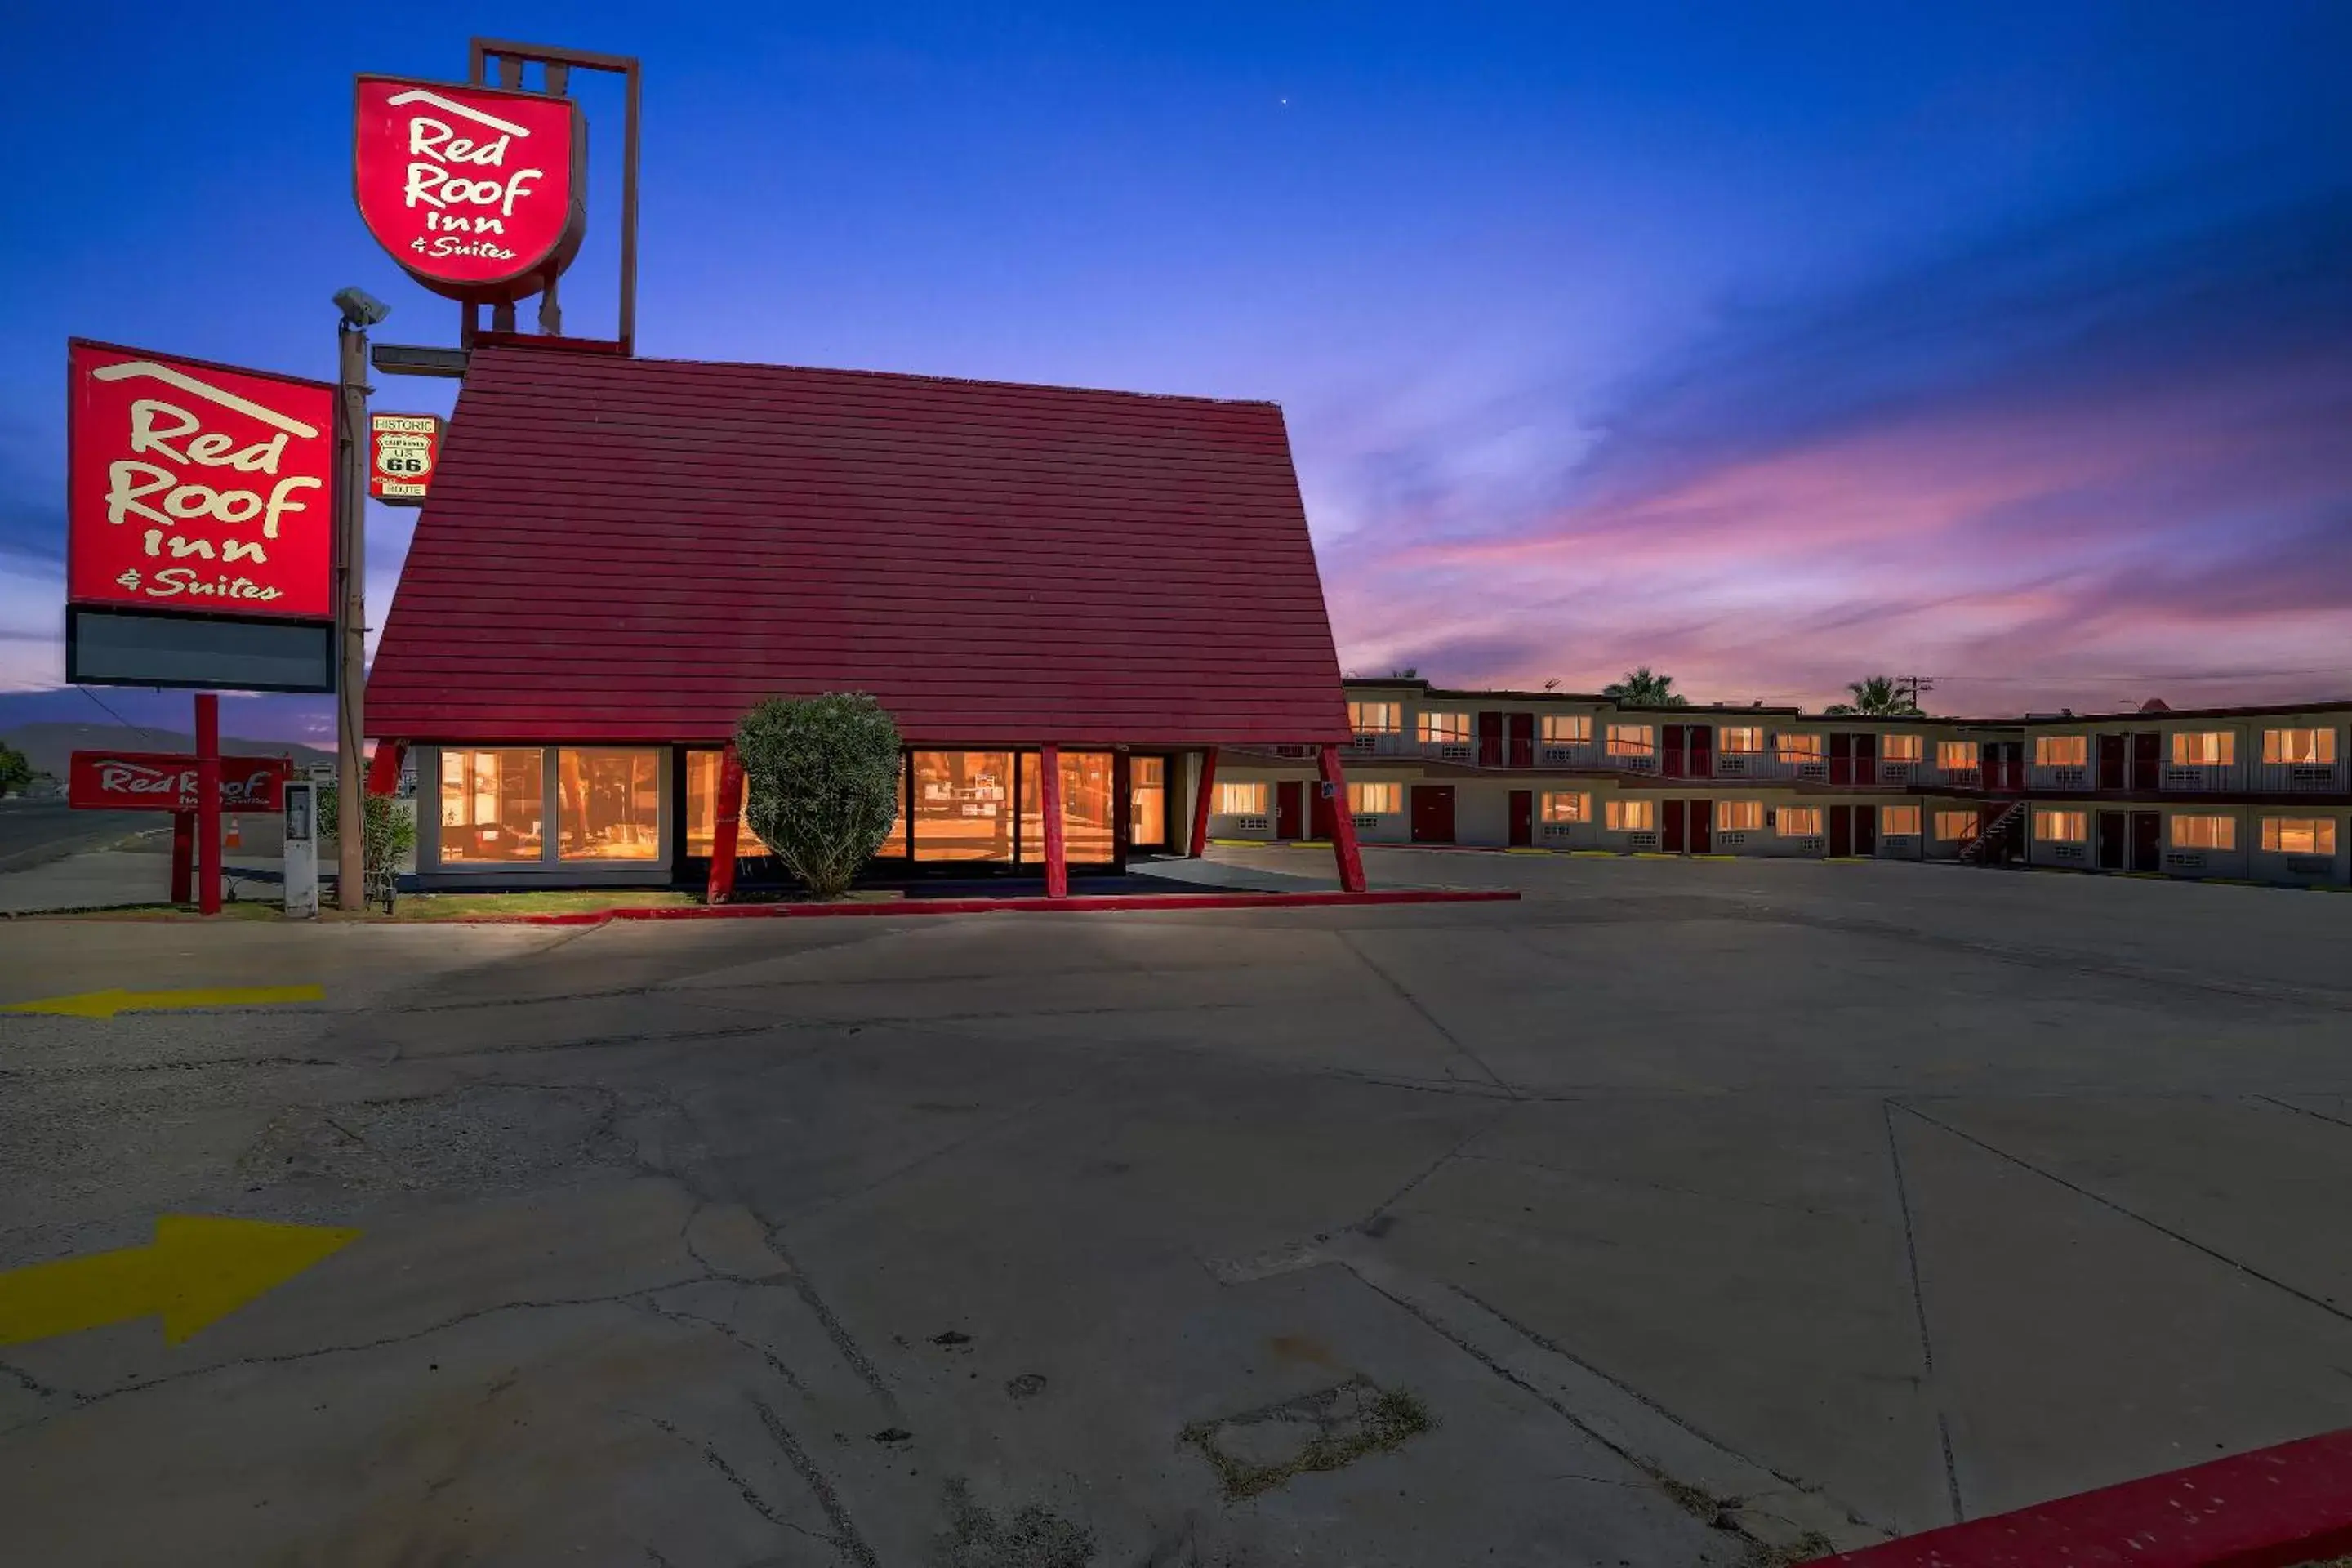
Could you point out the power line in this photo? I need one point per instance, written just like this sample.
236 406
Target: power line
118 718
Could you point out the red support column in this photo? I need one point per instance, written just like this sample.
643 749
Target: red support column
184 857
1201 803
1343 825
209 803
724 830
384 768
1049 782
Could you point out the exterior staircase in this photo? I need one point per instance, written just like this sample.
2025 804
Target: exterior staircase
1996 840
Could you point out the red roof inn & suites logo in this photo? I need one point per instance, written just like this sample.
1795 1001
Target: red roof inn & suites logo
196 487
477 192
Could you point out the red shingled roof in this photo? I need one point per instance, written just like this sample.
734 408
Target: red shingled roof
638 549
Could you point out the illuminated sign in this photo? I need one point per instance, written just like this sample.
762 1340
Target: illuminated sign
197 488
479 193
402 450
163 781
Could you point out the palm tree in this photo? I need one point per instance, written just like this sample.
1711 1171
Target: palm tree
1879 696
1641 689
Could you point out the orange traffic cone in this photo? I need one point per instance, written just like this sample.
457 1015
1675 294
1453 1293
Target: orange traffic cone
235 840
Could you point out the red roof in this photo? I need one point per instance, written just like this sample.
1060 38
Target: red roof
639 550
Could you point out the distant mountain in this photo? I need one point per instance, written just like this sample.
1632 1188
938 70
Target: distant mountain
50 747
309 720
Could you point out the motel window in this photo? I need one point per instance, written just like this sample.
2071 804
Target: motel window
1738 741
1898 821
1089 819
609 804
2061 826
1375 799
701 810
1739 815
1567 806
1240 800
1952 825
2204 833
2203 748
2310 746
1567 728
1631 816
1799 748
2299 834
1146 802
962 808
1957 756
493 804
2060 751
1632 740
1799 821
1375 718
1445 728
1900 748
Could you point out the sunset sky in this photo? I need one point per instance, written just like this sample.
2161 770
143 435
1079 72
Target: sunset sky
1766 345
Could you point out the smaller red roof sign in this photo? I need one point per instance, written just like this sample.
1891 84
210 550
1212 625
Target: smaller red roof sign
165 781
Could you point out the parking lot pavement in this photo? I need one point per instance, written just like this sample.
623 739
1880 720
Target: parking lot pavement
1686 1212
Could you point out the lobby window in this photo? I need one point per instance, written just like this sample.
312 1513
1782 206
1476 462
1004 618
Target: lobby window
2299 834
1631 816
1445 728
1954 825
1567 806
1567 728
1898 821
493 804
1900 748
1375 799
1799 821
1087 814
701 809
2060 751
962 807
2313 747
1146 802
2204 833
1738 816
2203 748
1240 800
1375 718
2061 826
1799 748
1957 756
610 803
1740 740
1632 740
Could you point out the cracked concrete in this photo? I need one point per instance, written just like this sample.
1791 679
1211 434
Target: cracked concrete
1708 1210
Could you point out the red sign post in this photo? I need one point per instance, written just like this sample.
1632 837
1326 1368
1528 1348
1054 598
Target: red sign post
477 192
402 450
197 488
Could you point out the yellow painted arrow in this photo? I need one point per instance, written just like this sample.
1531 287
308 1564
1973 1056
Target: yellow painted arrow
197 1270
107 1004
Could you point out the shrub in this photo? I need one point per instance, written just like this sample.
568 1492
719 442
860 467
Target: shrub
820 783
391 833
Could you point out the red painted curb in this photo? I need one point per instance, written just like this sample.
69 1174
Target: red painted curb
2273 1507
1098 904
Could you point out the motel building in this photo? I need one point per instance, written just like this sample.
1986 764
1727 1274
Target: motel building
2248 794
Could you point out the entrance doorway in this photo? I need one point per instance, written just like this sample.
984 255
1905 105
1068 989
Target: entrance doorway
1289 809
1320 816
2147 840
1523 739
2113 824
1854 830
1432 813
1523 816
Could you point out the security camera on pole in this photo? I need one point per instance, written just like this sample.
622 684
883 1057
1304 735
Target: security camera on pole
359 310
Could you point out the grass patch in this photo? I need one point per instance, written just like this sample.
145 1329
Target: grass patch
1335 1428
553 901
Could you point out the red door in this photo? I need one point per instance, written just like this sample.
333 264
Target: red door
1670 826
1432 813
1865 830
1702 753
2111 761
1865 759
1289 811
2013 771
2147 840
1523 816
1490 739
1840 830
1840 759
1670 751
1702 827
2146 760
1523 739
1319 812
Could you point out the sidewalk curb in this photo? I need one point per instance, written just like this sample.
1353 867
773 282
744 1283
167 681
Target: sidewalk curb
1098 904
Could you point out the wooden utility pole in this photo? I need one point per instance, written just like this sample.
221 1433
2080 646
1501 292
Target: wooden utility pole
351 606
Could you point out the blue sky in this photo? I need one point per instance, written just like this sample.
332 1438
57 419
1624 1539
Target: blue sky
1768 345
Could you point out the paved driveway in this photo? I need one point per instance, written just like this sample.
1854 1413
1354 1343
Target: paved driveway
1677 1211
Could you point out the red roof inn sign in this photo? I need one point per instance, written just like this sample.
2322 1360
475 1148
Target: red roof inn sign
477 192
160 781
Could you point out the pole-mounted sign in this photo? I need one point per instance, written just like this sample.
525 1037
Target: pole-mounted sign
402 450
479 193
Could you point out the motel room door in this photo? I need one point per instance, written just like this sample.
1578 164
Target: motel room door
1854 830
1523 816
2112 750
2147 761
1490 739
1320 818
1686 826
2147 840
1289 809
1432 813
1523 739
1669 824
2112 823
